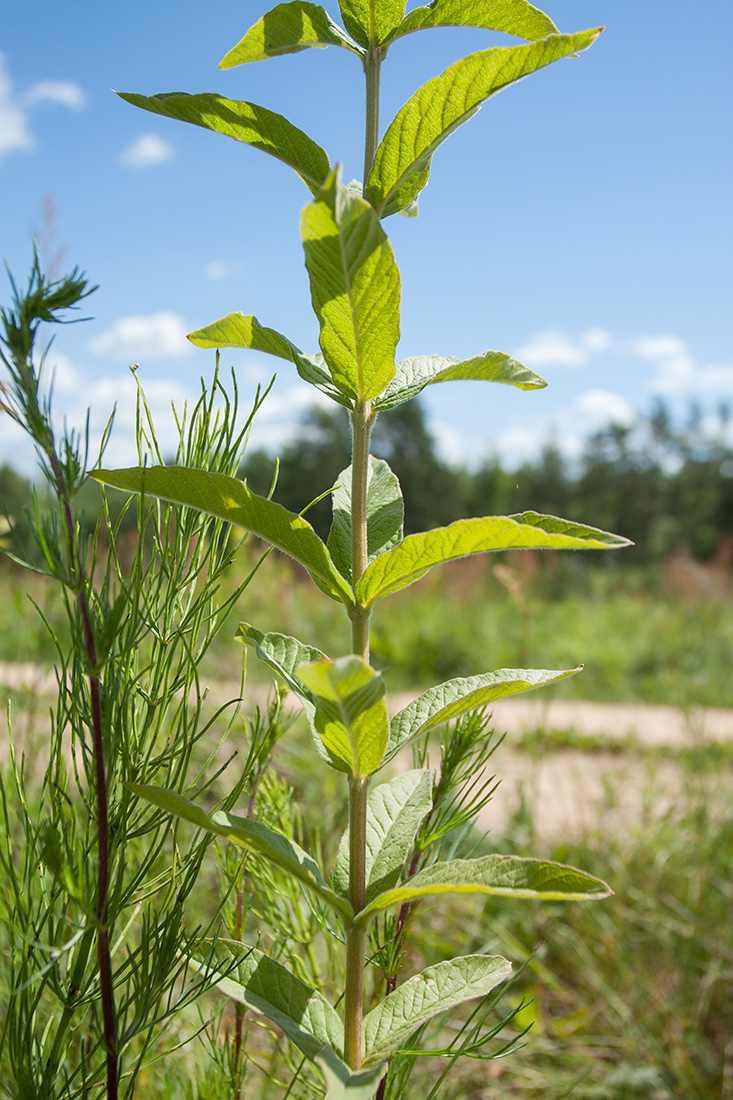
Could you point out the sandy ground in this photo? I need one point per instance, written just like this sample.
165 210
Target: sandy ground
570 792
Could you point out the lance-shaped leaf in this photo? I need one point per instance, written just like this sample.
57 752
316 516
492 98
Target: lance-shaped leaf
395 811
239 330
371 20
343 1083
414 374
456 697
435 990
251 978
255 836
385 513
284 654
355 287
230 500
351 712
402 162
417 554
507 876
245 122
289 28
515 17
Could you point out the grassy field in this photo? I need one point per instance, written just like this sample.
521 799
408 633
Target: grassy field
628 999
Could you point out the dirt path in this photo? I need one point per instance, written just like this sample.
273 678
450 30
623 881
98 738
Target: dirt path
569 791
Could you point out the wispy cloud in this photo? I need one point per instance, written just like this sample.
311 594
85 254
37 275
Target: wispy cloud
221 269
148 150
64 92
152 336
596 409
556 348
676 369
15 130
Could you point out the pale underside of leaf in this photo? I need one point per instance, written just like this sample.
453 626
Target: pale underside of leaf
355 289
515 17
402 161
414 374
419 999
454 698
395 811
266 842
343 1083
289 28
240 330
385 513
230 499
417 554
245 122
252 979
507 876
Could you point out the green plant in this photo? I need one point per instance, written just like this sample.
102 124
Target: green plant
387 859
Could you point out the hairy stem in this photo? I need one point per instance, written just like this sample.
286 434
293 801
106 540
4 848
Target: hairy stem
356 936
362 420
372 66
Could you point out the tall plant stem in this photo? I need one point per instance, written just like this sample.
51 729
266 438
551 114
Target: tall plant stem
362 420
100 785
372 67
355 933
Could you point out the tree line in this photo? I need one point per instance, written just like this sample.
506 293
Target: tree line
667 486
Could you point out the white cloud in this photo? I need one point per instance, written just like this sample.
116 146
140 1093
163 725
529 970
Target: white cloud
552 348
597 408
596 339
154 336
59 367
15 132
219 269
517 445
450 444
146 151
676 369
64 92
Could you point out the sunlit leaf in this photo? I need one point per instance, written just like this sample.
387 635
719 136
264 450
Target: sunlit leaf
515 17
355 287
252 979
288 28
417 554
230 499
402 162
414 374
371 20
385 512
395 811
351 712
245 122
456 697
435 990
239 330
507 876
255 836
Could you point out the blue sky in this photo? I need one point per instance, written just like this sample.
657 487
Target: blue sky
581 221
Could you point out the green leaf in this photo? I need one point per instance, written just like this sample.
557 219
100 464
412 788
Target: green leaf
395 811
508 876
456 697
351 712
511 16
402 162
417 554
254 980
371 20
414 374
355 287
284 654
435 990
289 28
238 330
343 1083
245 122
266 842
230 500
385 513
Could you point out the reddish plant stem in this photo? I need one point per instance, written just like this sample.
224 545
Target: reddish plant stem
100 784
